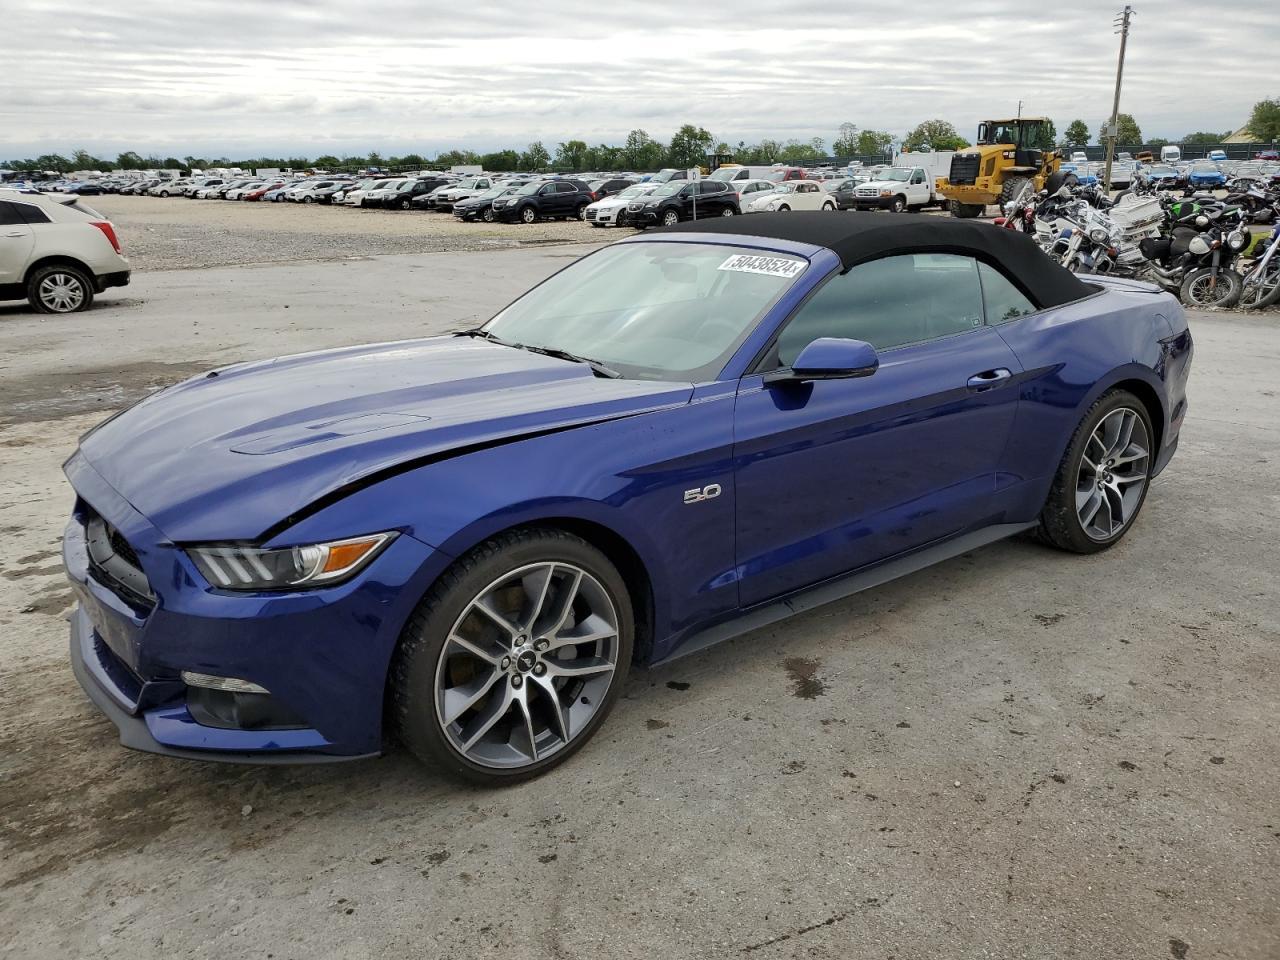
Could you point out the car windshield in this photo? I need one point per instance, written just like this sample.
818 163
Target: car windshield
1164 171
662 176
408 185
668 190
632 192
492 193
653 310
528 190
896 173
788 187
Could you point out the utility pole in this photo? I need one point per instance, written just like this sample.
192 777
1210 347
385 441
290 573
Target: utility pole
1019 109
1122 21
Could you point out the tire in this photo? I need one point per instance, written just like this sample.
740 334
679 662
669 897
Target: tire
828 206
1011 188
1062 522
487 216
1257 296
899 204
164 193
430 662
404 204
670 217
311 199
59 289
581 212
528 215
1226 290
965 211
728 212
783 208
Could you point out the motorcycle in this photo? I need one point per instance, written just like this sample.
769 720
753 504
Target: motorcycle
1260 286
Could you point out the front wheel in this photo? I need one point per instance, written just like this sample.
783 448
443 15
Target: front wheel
312 200
528 215
514 658
1202 289
670 218
899 205
1103 478
404 204
487 216
1265 291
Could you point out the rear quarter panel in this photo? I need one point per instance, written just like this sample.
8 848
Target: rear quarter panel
1075 353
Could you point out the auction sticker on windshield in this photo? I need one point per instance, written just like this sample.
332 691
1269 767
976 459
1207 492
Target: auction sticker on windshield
785 267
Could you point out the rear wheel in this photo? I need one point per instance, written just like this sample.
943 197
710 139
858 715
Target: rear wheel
728 212
514 658
59 289
1012 189
581 212
966 211
1103 478
828 205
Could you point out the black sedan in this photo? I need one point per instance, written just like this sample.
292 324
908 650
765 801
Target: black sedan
480 207
678 201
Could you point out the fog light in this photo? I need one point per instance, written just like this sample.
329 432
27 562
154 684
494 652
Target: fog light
228 684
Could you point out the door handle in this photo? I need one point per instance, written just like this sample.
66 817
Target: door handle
989 378
16 233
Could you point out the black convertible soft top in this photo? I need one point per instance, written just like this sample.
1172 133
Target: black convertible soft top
858 237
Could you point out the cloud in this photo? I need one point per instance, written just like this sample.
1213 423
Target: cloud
238 78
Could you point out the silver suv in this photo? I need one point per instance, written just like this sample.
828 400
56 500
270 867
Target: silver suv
56 252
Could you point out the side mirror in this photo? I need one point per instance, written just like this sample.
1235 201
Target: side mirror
829 358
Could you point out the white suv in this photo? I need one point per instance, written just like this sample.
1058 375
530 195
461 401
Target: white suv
56 252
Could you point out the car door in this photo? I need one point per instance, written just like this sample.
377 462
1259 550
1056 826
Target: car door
833 475
566 196
16 242
919 187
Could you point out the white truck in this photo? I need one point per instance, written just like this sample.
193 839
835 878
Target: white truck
898 188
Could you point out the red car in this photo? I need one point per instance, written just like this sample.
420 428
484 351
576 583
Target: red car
256 194
1267 155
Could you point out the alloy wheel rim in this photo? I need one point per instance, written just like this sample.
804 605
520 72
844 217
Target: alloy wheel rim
61 292
527 665
1113 474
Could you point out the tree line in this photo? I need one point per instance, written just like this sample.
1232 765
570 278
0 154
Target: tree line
689 146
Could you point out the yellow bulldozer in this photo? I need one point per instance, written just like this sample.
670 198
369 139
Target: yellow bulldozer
1006 157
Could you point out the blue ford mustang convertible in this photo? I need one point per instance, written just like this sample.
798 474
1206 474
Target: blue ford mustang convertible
469 539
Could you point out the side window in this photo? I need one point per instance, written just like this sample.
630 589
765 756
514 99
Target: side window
889 303
563 186
33 214
918 177
9 214
1002 300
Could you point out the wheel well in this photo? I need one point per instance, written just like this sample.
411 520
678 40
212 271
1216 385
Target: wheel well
57 259
623 556
1151 400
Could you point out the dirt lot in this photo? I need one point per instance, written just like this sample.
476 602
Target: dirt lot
176 233
1017 754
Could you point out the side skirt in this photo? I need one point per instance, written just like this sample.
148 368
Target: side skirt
847 585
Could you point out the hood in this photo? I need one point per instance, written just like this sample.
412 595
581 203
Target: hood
230 454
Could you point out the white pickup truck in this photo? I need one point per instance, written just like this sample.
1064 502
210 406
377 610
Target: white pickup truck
897 188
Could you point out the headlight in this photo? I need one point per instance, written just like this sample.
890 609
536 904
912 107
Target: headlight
886 193
1098 235
1237 239
233 567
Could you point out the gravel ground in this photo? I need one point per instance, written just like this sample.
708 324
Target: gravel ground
1017 754
180 234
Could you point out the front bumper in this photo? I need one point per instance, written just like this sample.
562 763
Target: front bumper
323 654
873 203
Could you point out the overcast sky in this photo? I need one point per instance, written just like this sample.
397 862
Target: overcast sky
283 77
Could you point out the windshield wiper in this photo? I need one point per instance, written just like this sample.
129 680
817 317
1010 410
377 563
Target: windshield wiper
598 368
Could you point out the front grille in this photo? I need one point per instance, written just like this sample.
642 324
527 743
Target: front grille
964 168
114 562
863 192
591 214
